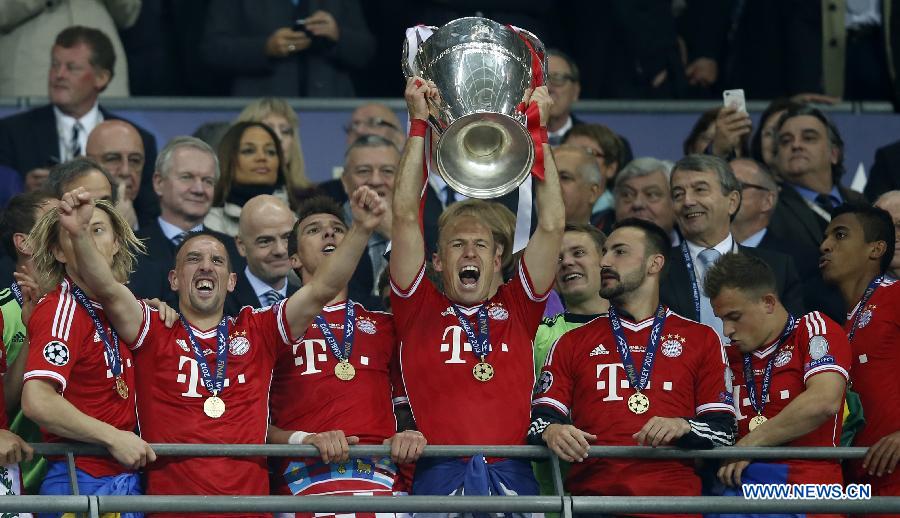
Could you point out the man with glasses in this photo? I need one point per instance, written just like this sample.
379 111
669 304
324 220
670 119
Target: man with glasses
375 119
565 87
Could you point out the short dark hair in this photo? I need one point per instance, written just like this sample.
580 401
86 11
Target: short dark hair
834 136
316 205
777 105
103 55
573 66
656 240
742 272
203 233
609 142
19 217
62 174
370 141
877 225
595 233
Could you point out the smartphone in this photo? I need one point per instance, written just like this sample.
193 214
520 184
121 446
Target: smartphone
300 26
736 99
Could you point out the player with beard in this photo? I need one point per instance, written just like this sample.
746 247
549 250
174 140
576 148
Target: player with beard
673 367
470 346
211 374
337 385
856 253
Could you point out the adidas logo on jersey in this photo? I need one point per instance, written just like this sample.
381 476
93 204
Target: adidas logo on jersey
599 350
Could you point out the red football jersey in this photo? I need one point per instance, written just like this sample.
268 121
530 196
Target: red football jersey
65 347
4 420
817 344
172 394
451 406
306 395
584 379
876 360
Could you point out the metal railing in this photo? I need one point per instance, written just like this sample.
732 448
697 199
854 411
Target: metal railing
94 506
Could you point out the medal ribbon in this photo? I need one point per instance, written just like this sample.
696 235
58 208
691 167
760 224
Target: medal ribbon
110 347
480 344
638 383
870 290
340 351
17 293
759 403
690 268
213 385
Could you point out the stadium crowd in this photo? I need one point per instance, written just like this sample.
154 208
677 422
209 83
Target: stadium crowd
206 291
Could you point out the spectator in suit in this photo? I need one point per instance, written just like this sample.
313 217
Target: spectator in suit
762 144
809 155
890 201
885 173
581 181
117 146
564 83
706 196
252 163
277 114
186 173
607 149
759 196
642 191
257 43
82 172
262 240
82 67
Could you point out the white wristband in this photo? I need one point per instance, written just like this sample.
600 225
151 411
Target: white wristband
297 437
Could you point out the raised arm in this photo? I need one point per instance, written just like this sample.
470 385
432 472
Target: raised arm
124 311
407 243
333 275
542 251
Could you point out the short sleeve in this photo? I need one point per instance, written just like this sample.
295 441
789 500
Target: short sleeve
149 317
554 387
713 376
407 303
55 340
824 346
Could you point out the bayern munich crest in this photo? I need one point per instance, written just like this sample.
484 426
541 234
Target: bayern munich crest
783 358
672 346
497 312
239 345
366 325
866 316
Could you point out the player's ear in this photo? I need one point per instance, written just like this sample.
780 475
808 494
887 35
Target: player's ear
296 265
232 282
770 300
655 264
436 262
173 280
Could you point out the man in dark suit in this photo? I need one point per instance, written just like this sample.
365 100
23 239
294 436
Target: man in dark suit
809 154
81 68
706 196
186 173
885 173
264 230
759 196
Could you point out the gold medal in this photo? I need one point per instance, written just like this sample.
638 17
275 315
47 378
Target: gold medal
483 371
214 406
756 421
344 371
638 403
121 387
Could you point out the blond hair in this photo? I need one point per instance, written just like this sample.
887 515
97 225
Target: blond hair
295 171
49 272
483 211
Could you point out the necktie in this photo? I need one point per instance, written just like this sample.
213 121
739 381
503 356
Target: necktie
450 196
825 201
272 297
706 259
75 143
179 238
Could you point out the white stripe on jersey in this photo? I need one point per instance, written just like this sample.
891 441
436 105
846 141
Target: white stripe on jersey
714 407
527 285
552 403
828 367
46 374
412 289
821 320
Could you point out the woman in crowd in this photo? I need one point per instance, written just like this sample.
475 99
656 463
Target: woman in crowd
763 143
251 163
277 114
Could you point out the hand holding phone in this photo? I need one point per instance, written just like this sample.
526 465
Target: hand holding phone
300 26
735 99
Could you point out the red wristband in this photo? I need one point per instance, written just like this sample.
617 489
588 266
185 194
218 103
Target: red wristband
417 128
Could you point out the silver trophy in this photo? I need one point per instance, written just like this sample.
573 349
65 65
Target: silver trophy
482 70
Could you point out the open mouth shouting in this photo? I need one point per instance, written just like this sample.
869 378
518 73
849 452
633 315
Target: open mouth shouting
468 276
205 286
328 249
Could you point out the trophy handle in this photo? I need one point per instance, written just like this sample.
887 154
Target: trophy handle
410 69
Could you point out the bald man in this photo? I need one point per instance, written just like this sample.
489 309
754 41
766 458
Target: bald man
890 201
581 181
118 147
265 225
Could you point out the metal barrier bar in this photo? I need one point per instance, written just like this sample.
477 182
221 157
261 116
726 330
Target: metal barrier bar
728 504
349 504
44 504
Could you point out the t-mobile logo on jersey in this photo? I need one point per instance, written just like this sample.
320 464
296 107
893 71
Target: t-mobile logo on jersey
457 344
192 377
313 350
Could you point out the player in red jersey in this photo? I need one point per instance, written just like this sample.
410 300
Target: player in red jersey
790 374
337 406
623 379
13 449
856 252
470 347
79 376
207 380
